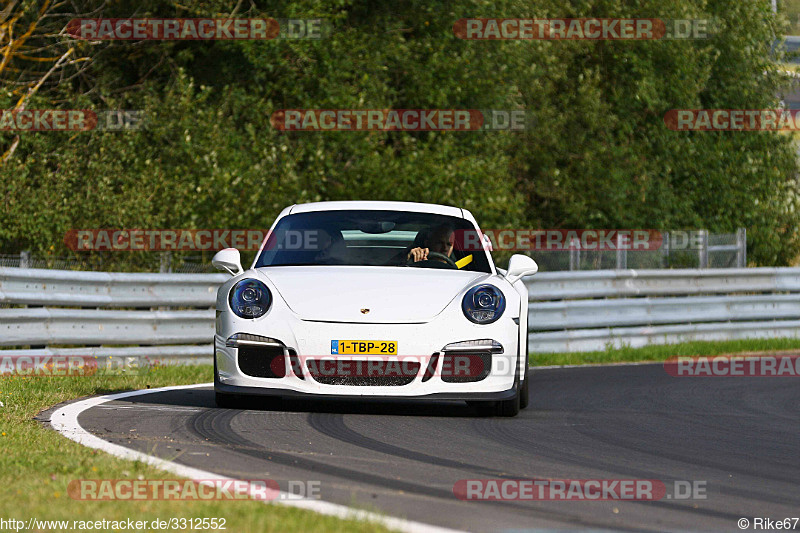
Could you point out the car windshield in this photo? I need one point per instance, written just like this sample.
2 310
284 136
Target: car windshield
374 238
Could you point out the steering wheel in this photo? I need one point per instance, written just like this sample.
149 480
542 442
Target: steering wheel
435 264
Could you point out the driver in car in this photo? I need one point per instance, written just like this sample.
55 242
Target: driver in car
439 240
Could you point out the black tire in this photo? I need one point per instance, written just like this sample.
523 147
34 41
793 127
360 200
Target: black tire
523 392
228 401
504 408
508 408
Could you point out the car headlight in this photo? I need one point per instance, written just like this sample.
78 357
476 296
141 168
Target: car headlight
250 298
483 304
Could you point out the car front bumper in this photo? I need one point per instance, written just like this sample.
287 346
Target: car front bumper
417 342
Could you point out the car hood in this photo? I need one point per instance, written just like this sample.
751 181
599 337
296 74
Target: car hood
372 295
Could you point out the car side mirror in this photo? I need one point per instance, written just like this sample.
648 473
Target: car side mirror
228 259
520 266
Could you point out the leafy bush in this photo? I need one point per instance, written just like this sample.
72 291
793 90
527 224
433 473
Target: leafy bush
599 156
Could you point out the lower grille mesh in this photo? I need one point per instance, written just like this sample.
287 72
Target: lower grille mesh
367 374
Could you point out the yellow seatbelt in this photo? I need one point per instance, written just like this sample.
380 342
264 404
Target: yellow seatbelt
464 261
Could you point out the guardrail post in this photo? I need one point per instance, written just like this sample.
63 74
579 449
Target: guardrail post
741 248
574 255
703 251
622 253
166 263
25 259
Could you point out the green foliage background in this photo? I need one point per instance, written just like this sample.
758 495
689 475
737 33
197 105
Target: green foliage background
599 156
791 10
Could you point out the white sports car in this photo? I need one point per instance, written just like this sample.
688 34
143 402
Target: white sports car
374 299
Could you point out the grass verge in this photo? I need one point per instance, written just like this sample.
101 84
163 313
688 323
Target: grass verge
659 352
37 463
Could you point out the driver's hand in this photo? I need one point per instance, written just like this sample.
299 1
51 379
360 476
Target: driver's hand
417 254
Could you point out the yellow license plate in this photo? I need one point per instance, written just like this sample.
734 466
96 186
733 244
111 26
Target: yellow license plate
364 347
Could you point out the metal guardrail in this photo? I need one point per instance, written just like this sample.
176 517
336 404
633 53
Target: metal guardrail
48 326
588 340
178 354
582 314
103 289
163 316
172 316
627 283
590 311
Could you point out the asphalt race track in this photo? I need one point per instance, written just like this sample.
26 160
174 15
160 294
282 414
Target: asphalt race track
741 436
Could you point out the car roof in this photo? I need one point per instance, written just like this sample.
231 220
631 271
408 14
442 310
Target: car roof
375 205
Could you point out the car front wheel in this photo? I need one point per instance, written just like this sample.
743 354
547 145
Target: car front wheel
504 408
508 408
523 392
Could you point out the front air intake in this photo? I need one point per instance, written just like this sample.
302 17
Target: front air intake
262 361
463 367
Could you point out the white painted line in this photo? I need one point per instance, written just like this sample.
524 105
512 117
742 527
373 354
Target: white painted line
65 421
151 408
596 365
